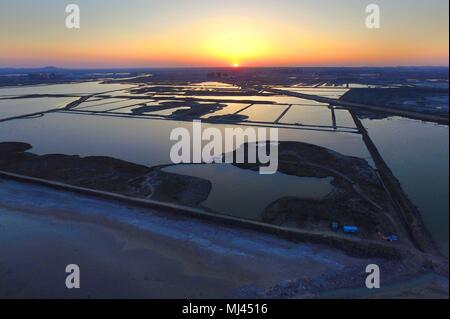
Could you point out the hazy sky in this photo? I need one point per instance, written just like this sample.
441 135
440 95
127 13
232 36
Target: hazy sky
118 33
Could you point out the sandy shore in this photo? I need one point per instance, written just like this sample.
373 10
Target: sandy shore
126 252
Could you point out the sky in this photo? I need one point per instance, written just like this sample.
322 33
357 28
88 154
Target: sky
213 33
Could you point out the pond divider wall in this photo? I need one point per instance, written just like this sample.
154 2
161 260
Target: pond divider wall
351 245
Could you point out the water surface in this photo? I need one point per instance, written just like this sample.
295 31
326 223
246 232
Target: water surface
418 154
139 140
245 193
18 107
69 88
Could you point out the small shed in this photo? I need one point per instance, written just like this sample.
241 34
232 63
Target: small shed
351 229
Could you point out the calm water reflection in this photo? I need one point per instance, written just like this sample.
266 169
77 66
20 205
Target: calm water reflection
245 193
418 154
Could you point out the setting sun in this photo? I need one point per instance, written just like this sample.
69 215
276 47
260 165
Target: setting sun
224 35
244 40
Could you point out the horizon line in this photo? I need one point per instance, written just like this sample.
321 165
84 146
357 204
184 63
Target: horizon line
219 67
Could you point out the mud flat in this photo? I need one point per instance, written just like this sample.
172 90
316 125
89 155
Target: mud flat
129 252
293 218
358 197
193 109
104 174
176 245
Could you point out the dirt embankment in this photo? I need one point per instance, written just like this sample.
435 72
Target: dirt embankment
105 174
358 197
191 109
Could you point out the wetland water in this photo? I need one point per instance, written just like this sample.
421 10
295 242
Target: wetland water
418 153
69 88
12 108
245 193
138 140
237 192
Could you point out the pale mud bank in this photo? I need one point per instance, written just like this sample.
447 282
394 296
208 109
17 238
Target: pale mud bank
135 252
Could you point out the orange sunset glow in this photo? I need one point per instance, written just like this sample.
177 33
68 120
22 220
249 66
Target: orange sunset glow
233 34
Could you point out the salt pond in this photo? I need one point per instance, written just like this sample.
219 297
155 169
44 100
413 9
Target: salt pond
418 155
245 193
18 107
69 88
138 140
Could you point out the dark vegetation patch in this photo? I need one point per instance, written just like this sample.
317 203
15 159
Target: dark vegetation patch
358 197
424 100
195 109
105 174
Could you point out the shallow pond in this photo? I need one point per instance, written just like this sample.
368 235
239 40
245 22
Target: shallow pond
245 193
69 88
18 107
418 155
139 140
